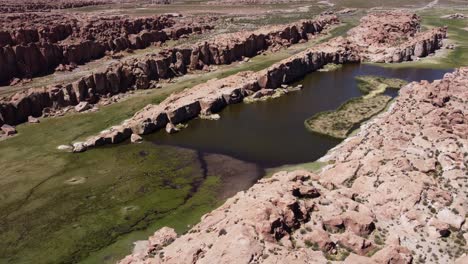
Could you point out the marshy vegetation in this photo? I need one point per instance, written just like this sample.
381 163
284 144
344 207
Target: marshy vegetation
341 122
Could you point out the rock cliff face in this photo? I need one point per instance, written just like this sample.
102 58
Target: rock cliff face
139 73
213 96
338 50
35 44
394 193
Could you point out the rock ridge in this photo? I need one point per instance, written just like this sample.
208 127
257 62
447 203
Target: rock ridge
35 44
211 97
393 193
141 73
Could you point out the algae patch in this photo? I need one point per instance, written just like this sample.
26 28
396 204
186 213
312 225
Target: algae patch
330 67
340 122
369 84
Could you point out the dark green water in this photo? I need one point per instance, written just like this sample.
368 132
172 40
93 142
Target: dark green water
272 133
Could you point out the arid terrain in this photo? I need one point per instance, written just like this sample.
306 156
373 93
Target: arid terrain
234 131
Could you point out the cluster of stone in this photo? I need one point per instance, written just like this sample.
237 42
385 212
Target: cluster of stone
143 73
211 97
36 44
391 194
395 37
14 6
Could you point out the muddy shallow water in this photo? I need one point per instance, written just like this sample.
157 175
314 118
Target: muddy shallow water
272 133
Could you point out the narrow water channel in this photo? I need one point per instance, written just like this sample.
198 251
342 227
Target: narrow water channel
272 133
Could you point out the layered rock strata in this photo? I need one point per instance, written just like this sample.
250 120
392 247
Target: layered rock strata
338 51
140 73
394 193
35 44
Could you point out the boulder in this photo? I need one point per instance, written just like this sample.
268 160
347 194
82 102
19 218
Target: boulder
393 254
134 138
79 147
305 191
333 224
171 129
178 114
357 244
358 223
118 134
82 106
33 120
8 130
320 238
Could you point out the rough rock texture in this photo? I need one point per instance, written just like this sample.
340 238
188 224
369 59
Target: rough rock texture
34 44
14 6
394 37
336 51
203 99
141 73
250 2
405 178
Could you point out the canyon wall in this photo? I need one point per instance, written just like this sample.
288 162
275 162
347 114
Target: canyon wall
35 44
211 97
393 193
169 63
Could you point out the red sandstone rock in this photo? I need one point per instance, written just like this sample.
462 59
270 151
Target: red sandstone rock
12 6
132 74
34 44
357 244
270 224
322 239
358 223
207 98
135 138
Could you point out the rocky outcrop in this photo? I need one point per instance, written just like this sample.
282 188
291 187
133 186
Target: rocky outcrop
13 6
142 73
251 2
394 37
202 99
386 211
211 97
337 51
32 45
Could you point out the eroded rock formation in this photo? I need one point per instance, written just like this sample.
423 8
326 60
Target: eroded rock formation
140 73
338 51
388 195
14 6
35 44
396 38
